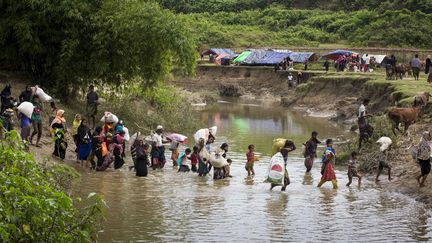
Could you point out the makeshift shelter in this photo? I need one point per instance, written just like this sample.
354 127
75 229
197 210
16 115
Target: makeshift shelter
265 58
242 57
218 59
218 51
334 55
301 57
381 60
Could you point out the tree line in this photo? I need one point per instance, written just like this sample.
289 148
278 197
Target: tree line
66 44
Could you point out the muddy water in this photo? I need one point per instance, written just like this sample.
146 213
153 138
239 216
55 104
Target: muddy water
181 207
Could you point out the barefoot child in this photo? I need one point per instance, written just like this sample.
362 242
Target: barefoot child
194 159
175 154
353 169
182 161
383 157
250 156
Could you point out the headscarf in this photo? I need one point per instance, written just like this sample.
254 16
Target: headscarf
59 119
83 131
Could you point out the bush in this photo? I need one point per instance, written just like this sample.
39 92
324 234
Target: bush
34 201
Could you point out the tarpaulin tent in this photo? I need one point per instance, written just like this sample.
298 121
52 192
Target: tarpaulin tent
218 59
218 51
380 59
264 58
303 56
242 57
334 55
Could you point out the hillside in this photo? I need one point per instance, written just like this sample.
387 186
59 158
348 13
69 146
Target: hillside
258 23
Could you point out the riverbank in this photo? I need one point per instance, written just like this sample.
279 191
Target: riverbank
333 95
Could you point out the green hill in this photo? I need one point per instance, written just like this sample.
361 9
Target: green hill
255 23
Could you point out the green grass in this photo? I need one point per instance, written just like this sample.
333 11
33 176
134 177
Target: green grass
406 89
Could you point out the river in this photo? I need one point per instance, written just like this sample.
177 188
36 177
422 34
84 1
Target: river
168 206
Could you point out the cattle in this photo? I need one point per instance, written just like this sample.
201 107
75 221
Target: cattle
421 100
401 70
406 116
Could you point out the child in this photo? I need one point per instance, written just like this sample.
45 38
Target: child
183 167
175 154
383 156
250 156
353 169
194 159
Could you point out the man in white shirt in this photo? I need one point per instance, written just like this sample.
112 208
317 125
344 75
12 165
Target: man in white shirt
158 149
366 61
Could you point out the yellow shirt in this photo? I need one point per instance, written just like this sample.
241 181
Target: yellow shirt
75 126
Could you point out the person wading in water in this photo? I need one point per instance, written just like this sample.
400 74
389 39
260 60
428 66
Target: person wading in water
327 169
310 151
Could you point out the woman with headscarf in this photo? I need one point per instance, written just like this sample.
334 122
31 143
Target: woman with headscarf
423 157
327 169
141 157
6 98
118 148
83 141
202 166
58 128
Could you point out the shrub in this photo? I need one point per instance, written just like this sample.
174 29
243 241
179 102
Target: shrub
35 205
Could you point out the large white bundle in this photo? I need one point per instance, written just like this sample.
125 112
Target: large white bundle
213 130
276 170
216 161
385 143
204 133
126 136
26 108
44 97
109 118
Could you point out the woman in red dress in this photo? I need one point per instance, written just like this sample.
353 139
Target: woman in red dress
327 169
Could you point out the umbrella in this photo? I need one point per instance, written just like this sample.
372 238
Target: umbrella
334 55
178 138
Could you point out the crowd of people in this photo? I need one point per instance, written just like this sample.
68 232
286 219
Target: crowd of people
99 145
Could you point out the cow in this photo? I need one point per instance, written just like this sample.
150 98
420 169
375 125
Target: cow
421 100
407 116
401 70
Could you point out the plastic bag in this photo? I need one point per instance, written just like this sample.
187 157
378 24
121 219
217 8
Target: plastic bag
26 108
276 170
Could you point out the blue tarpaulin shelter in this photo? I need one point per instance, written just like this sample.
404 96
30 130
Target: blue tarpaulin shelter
218 51
302 57
265 58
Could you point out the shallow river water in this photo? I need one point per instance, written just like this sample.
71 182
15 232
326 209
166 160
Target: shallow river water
168 206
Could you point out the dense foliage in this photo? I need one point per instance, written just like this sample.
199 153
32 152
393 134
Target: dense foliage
34 204
254 23
200 6
64 44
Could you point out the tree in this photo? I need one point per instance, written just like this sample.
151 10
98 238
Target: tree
66 44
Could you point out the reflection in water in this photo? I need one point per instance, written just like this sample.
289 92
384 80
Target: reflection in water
307 179
181 207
